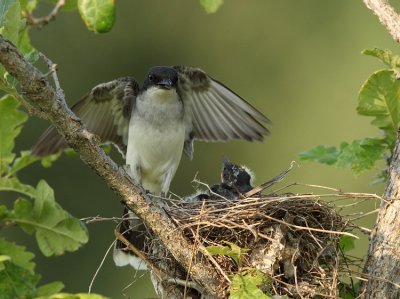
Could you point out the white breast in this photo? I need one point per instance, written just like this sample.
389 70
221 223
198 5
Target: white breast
156 138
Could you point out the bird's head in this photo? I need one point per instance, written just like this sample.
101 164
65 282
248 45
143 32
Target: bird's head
161 76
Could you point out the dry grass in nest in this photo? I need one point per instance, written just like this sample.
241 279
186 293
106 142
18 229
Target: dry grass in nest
292 238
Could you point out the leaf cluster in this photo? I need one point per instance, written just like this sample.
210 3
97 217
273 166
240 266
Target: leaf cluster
379 98
246 283
33 208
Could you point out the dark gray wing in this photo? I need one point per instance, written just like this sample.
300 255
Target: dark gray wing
105 111
214 112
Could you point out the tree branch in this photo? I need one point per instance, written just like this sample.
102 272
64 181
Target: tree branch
41 94
387 16
44 20
383 259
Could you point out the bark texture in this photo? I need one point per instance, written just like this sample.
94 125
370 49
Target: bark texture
36 89
387 16
382 268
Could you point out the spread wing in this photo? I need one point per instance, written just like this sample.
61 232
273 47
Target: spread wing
105 111
214 112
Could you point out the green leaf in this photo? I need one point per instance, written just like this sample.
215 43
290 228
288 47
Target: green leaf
348 291
386 56
3 259
49 289
379 97
98 15
17 282
10 19
22 214
10 126
69 152
25 46
13 184
24 160
3 211
47 161
56 230
18 255
361 155
233 251
321 154
346 243
211 6
247 286
28 5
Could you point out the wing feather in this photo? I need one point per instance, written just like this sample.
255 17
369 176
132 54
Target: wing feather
215 112
105 111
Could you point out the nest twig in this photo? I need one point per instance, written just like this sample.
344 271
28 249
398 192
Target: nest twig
291 238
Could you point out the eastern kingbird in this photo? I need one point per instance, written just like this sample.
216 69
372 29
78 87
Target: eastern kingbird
153 125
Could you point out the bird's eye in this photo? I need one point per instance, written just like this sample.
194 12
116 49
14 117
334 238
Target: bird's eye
151 77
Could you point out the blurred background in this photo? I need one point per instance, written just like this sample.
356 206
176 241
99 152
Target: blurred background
299 62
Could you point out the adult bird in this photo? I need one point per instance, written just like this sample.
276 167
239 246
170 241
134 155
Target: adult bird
154 124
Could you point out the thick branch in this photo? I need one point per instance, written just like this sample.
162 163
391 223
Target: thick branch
37 89
387 16
382 267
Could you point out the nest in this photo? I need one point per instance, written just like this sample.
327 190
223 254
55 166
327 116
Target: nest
293 239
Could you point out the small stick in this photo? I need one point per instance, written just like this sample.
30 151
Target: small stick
47 19
271 182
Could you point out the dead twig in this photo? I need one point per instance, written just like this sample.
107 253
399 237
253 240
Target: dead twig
42 21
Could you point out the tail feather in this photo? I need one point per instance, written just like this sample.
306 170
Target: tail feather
135 232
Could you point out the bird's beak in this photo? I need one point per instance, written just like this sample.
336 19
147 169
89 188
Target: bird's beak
165 83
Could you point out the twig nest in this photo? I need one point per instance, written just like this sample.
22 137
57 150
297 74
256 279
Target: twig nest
292 238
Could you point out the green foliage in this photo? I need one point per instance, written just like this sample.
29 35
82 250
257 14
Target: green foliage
211 6
10 19
233 251
346 243
323 154
17 276
349 291
56 231
249 285
35 209
13 184
10 126
98 15
18 255
379 97
386 56
49 289
359 156
17 282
